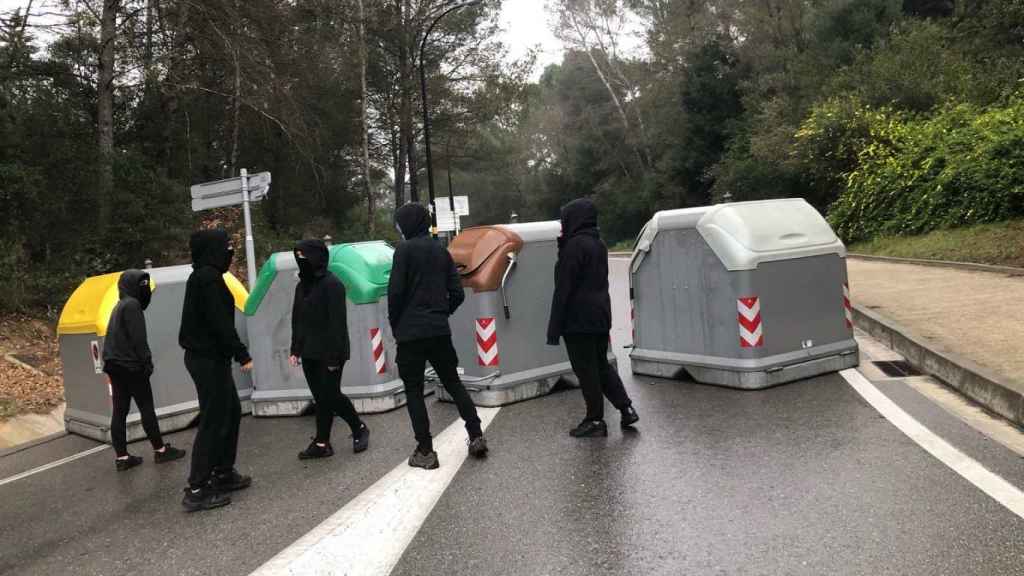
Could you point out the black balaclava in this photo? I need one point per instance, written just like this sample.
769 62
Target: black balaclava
578 217
312 256
412 220
135 284
211 248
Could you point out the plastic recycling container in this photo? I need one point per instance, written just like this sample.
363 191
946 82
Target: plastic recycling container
746 295
370 377
499 332
82 328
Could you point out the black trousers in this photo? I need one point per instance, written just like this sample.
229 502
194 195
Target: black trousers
220 412
412 360
326 388
588 354
125 386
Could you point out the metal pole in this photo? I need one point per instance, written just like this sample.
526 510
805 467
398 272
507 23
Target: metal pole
250 246
451 195
426 113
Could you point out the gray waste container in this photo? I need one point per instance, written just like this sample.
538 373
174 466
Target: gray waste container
746 295
370 377
82 328
500 331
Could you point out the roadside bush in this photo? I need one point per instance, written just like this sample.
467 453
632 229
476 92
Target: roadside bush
964 165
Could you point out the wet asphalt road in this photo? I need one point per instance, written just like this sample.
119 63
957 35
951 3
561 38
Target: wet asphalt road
806 478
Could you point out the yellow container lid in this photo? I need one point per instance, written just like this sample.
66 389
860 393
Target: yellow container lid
238 291
88 309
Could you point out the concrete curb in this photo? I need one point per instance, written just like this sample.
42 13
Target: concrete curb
1010 270
998 394
32 443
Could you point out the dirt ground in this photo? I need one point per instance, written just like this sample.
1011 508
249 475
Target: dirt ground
974 314
33 342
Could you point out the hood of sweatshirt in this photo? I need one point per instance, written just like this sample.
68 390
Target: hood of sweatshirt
312 256
578 216
211 248
135 284
413 220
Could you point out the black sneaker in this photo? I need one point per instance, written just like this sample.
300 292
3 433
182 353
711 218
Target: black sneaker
314 450
230 481
170 454
427 461
205 498
590 429
629 417
478 447
128 463
361 439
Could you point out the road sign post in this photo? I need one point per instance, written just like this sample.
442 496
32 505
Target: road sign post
250 245
447 218
243 190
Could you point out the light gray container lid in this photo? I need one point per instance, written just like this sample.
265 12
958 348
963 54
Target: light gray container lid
168 274
535 231
745 234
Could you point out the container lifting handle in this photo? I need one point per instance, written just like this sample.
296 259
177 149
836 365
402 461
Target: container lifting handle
504 295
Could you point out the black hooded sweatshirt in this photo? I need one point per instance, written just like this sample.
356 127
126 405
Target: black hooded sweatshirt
208 314
126 346
424 289
581 304
319 316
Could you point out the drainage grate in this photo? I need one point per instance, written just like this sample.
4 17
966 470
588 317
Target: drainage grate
897 369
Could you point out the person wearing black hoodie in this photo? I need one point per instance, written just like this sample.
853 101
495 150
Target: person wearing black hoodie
581 315
320 343
424 290
128 364
210 341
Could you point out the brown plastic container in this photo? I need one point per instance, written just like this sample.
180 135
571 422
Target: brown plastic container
481 255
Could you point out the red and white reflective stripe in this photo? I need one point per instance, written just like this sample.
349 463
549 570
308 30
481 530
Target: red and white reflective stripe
847 307
486 342
751 330
377 350
632 319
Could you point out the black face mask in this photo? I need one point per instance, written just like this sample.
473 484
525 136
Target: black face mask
229 256
305 266
145 293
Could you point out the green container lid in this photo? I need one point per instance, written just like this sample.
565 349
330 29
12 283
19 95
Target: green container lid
263 281
364 268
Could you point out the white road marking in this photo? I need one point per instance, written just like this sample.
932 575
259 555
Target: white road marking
988 482
52 465
369 535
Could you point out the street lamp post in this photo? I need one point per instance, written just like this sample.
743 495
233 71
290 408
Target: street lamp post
426 115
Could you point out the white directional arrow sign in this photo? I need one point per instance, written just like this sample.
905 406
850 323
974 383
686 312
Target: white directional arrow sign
229 187
242 190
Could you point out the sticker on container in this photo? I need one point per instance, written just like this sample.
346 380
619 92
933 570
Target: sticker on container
487 342
847 307
378 357
97 360
751 329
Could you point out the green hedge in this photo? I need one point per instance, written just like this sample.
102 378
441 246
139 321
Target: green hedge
962 165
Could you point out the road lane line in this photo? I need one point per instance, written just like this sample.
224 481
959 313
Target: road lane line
985 480
369 535
54 464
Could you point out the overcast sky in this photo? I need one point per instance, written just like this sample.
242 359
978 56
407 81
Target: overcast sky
526 26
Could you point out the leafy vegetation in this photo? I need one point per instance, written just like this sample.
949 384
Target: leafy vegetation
894 117
1000 243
